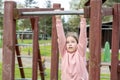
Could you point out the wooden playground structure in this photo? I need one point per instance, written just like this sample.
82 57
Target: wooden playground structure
93 9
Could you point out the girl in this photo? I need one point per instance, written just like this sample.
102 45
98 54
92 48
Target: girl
72 50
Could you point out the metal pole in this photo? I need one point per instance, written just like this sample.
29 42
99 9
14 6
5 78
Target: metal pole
38 13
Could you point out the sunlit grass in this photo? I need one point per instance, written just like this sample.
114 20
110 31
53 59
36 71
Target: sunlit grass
0 71
45 50
1 43
44 45
28 74
30 41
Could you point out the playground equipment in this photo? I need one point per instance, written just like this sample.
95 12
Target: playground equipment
93 10
75 12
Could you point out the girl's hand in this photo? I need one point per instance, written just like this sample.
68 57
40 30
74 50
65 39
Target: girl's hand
82 19
57 16
81 16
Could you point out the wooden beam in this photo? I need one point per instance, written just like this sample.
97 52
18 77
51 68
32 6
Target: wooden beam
115 42
55 53
9 41
104 11
95 39
35 49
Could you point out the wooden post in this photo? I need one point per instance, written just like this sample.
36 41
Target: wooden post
9 41
36 56
115 42
54 55
95 39
35 49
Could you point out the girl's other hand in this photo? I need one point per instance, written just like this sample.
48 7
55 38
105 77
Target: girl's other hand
57 16
81 16
83 20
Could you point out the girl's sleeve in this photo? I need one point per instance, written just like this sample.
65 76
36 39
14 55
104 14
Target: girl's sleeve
61 35
82 38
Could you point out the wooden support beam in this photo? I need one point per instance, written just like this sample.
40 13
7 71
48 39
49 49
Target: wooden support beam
115 42
54 55
35 49
104 11
107 11
95 39
9 41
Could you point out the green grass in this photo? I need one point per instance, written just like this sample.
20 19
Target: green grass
29 41
28 74
45 51
0 43
105 76
0 71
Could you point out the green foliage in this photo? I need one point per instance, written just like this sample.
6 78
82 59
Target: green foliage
73 23
29 3
45 25
48 3
108 3
45 22
74 20
1 14
1 22
77 4
23 24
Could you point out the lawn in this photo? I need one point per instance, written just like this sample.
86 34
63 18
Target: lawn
45 47
45 50
28 74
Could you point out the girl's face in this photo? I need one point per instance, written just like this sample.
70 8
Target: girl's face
71 44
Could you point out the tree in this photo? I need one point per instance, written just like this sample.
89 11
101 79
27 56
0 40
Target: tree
73 21
48 4
46 22
30 3
25 23
1 15
75 5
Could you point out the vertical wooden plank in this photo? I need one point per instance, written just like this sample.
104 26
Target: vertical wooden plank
35 49
9 41
39 54
54 55
95 39
115 41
